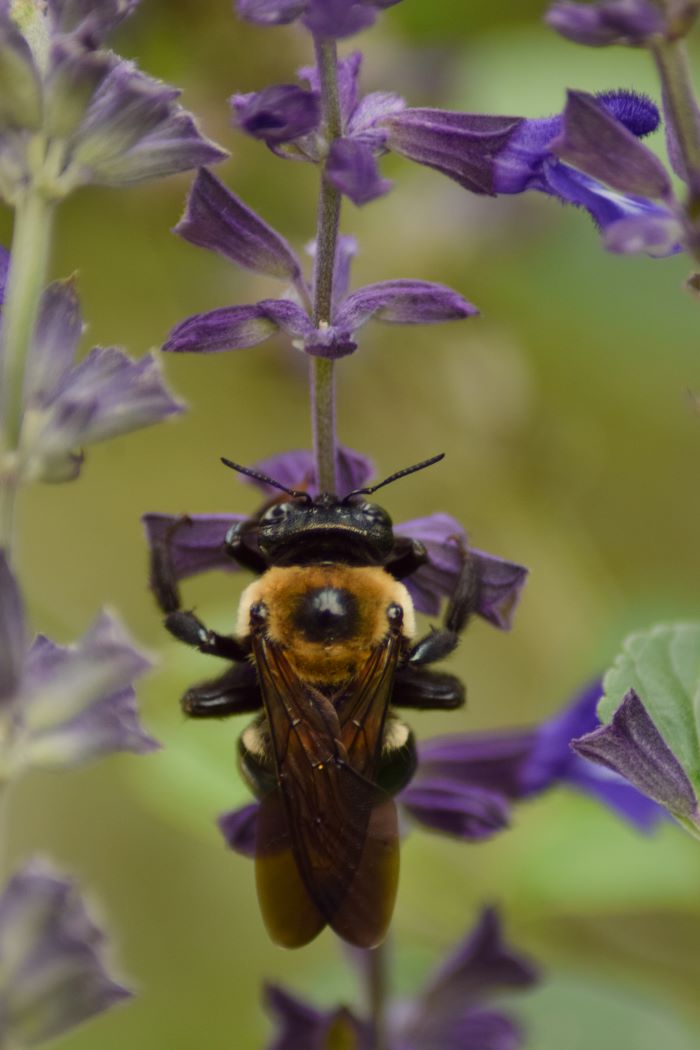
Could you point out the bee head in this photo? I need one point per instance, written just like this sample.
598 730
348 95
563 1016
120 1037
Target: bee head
302 529
308 529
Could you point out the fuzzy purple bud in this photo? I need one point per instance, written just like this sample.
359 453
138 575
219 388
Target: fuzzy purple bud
277 114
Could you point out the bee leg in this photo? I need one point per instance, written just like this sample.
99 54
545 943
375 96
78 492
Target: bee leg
407 556
237 548
235 692
183 624
427 690
441 641
188 628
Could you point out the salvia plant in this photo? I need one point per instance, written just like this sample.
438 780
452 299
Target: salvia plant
72 113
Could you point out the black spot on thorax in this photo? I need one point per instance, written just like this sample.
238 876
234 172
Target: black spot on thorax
327 614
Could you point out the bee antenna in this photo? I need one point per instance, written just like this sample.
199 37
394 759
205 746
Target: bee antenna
396 476
266 479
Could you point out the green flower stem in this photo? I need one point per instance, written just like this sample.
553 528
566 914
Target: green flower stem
377 994
328 222
31 243
671 59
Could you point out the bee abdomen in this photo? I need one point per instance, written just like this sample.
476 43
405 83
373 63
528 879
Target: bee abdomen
327 614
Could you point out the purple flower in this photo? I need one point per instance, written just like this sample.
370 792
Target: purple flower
460 777
632 746
507 155
351 160
61 706
218 220
107 122
324 18
278 114
54 974
199 546
451 1011
630 22
68 406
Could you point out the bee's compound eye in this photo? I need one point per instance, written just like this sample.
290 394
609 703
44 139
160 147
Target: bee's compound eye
276 513
375 514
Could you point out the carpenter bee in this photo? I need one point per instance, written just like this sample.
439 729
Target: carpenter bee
323 651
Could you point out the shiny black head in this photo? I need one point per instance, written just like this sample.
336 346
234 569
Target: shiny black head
304 530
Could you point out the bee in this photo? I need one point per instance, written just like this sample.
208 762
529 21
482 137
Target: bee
323 651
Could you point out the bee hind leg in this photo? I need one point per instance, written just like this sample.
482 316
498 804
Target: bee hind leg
427 690
235 692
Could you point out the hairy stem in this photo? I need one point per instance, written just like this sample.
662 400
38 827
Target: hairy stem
671 59
377 994
31 243
328 222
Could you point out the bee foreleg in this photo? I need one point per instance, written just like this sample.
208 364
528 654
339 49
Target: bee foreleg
235 692
444 640
188 628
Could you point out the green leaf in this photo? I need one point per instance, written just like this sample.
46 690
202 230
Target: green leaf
663 666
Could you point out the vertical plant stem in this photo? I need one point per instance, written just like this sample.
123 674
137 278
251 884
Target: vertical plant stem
31 243
671 59
328 222
377 994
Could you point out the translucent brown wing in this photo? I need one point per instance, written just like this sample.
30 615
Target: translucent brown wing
328 836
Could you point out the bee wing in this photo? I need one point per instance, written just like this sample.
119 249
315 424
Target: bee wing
341 833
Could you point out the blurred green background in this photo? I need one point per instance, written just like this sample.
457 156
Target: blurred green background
572 447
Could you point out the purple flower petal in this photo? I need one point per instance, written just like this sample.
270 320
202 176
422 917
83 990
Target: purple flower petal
403 302
614 792
493 761
107 394
135 130
462 810
227 328
348 83
473 1030
90 19
610 22
198 545
239 828
480 966
605 206
77 702
4 270
277 114
500 588
345 252
655 233
633 747
301 1027
270 12
55 975
218 220
176 145
370 111
297 470
550 757
337 18
595 142
501 581
463 146
74 76
329 341
12 631
55 341
21 96
352 168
